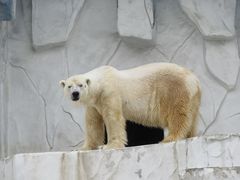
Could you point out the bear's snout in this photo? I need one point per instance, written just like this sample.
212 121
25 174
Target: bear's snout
75 95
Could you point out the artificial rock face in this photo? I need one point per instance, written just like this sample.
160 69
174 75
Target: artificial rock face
52 26
216 22
214 18
136 13
33 113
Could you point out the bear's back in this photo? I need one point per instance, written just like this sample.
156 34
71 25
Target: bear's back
150 69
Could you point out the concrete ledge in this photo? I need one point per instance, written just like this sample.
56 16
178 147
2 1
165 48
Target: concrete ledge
210 157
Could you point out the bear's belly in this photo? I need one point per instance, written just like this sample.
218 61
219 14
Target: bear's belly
141 112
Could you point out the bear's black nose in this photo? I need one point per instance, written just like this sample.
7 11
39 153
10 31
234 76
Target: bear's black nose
75 95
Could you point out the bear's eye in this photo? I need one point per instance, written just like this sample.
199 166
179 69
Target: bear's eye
80 85
69 87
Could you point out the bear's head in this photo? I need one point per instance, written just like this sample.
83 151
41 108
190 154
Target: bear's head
76 88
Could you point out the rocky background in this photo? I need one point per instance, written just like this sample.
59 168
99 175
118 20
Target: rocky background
50 40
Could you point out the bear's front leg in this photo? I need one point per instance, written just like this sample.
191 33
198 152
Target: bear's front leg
94 130
115 125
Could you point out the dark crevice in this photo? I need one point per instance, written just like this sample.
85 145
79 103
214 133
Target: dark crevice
141 135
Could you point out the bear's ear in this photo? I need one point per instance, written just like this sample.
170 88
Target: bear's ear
88 81
62 83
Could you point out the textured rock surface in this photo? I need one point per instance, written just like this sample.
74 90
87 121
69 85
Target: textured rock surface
53 22
3 89
173 28
214 18
136 19
229 112
222 60
34 116
211 157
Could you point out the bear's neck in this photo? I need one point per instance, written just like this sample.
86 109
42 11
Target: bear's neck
94 96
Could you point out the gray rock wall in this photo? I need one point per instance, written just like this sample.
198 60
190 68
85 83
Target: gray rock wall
49 41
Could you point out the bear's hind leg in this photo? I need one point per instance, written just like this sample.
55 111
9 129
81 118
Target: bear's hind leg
178 126
193 130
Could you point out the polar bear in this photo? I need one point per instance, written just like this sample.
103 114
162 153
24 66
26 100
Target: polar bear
162 95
